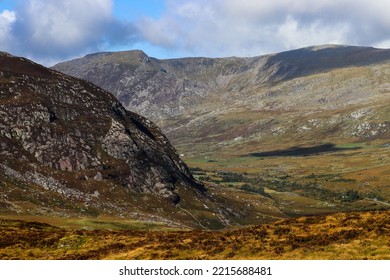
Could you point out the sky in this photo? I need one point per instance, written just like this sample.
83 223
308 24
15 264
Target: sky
50 31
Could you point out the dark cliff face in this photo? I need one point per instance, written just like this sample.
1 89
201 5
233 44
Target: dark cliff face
74 139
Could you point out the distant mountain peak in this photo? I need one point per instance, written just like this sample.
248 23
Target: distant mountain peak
131 56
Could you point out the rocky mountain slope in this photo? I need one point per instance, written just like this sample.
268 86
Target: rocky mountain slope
309 123
69 148
323 93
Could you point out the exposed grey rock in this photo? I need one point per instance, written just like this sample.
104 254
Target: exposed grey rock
161 89
66 126
193 99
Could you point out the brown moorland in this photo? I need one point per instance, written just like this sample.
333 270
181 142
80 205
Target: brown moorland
355 235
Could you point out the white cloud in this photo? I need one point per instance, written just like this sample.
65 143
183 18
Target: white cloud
57 30
293 34
51 30
64 23
7 18
383 44
247 27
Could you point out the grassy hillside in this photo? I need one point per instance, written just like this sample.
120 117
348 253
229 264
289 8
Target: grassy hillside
363 235
335 168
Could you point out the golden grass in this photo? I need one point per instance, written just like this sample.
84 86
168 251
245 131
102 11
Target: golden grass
357 235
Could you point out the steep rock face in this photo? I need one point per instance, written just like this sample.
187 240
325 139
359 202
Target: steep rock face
70 137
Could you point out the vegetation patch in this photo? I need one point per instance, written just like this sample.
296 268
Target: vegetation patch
355 235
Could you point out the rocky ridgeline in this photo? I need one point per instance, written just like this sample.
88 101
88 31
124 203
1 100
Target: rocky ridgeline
161 89
58 132
208 100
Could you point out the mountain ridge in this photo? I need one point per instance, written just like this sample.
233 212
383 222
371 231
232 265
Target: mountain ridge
141 82
191 93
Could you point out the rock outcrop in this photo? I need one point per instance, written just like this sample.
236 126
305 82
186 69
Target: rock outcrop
75 141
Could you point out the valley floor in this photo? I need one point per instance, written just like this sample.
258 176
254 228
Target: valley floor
354 235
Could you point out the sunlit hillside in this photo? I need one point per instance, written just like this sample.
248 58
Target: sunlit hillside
363 235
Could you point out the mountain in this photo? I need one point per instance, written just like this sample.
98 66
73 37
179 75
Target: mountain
341 90
311 123
69 148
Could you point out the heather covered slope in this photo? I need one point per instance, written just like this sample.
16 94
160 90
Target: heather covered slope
343 236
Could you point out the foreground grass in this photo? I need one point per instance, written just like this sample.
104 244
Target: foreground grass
363 235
